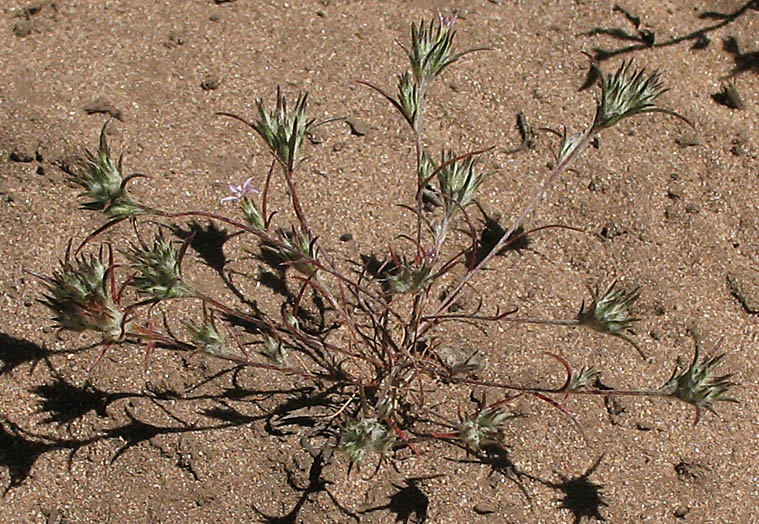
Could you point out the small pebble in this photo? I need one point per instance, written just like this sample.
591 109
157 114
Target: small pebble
346 237
358 128
675 193
732 97
611 230
738 150
18 155
314 137
597 186
692 208
744 286
54 517
687 141
102 105
210 83
483 508
176 38
681 511
22 28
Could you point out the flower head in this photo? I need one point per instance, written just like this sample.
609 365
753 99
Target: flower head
359 437
104 184
252 213
484 428
609 313
698 385
159 269
584 378
459 180
627 93
570 144
446 20
283 130
81 298
430 50
409 97
296 248
275 351
410 278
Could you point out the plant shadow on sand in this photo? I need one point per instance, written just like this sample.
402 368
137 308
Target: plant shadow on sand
410 500
580 495
61 404
14 352
644 38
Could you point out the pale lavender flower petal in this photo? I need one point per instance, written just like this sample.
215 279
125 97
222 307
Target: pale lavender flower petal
447 20
239 191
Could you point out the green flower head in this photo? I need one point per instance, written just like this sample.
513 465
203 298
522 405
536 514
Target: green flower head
626 93
104 184
81 297
159 269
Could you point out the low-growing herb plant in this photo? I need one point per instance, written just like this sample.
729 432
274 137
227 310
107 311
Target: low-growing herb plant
394 312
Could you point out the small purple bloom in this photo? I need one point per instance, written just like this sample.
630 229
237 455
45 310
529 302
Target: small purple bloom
447 21
430 255
240 192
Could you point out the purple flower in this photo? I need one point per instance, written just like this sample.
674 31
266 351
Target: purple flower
447 21
430 255
239 192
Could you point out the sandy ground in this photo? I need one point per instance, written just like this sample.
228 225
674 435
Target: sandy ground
666 207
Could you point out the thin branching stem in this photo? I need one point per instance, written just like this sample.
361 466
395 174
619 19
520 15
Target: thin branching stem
549 181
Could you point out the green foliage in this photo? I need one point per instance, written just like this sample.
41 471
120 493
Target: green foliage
626 93
698 385
207 338
80 295
484 428
360 437
159 269
282 130
105 185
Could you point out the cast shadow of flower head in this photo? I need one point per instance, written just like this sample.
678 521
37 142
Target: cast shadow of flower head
19 451
63 403
496 457
580 495
408 501
316 484
744 60
491 234
207 241
15 352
